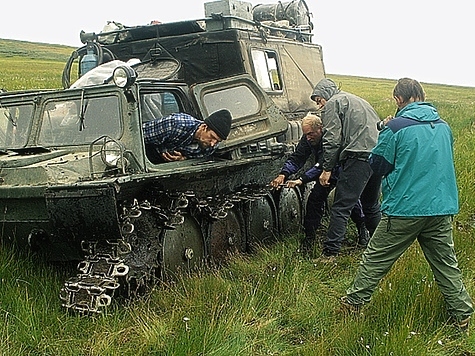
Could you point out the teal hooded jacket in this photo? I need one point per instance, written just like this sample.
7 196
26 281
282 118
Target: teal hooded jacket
414 154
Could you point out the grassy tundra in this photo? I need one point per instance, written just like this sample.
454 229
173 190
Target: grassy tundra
269 303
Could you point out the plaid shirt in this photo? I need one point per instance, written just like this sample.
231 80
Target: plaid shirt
175 133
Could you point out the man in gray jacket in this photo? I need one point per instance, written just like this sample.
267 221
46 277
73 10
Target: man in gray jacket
350 135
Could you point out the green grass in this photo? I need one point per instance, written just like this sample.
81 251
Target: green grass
26 65
32 50
269 303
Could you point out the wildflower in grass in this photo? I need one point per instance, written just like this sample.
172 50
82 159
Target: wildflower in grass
186 320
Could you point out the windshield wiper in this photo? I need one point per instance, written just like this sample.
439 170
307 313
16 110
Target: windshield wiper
82 115
9 117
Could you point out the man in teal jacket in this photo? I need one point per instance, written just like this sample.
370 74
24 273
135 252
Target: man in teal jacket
414 155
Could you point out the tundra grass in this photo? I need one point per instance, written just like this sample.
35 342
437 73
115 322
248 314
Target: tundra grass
270 302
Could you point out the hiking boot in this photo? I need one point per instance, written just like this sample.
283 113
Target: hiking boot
363 236
326 259
462 325
348 308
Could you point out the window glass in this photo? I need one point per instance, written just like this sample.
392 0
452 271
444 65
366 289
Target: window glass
239 100
158 104
80 121
267 69
14 125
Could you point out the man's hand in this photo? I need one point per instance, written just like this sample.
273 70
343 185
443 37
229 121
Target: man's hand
325 178
381 124
294 183
278 181
173 156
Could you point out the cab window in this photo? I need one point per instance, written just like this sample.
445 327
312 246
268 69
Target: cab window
80 121
15 124
239 100
266 69
158 104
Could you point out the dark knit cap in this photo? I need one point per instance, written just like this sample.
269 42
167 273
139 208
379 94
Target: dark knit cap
220 122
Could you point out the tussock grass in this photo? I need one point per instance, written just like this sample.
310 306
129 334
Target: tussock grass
270 302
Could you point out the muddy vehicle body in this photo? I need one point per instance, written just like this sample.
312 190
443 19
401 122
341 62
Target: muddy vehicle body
76 183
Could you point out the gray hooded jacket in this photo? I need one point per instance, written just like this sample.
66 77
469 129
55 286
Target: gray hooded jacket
349 123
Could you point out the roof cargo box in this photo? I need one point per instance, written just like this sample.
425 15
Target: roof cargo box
224 14
235 8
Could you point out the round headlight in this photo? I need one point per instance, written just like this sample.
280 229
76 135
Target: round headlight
112 154
124 76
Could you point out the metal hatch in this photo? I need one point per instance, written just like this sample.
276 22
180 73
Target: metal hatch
255 116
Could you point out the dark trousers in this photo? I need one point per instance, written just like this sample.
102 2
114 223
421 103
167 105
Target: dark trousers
356 182
315 209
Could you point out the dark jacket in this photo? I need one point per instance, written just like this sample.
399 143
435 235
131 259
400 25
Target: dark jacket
299 157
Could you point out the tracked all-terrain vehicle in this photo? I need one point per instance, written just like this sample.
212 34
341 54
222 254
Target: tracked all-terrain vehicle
75 180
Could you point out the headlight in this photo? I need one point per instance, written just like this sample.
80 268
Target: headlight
112 154
124 76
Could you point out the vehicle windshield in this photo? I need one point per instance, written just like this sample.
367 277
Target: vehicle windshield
15 123
79 121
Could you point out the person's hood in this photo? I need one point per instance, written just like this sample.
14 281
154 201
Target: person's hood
420 110
325 89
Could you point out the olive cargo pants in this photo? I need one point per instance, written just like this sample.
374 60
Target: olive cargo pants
392 237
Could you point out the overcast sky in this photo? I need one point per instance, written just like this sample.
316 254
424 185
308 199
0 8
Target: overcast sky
428 40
